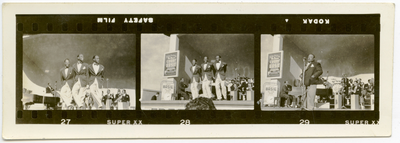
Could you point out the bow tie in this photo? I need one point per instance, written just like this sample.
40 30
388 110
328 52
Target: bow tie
96 64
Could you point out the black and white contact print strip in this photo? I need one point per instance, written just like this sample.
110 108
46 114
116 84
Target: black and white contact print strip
143 70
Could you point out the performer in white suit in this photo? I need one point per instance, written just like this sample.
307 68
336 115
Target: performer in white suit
220 71
207 77
80 70
195 79
67 80
96 76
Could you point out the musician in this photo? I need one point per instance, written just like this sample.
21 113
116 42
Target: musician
88 100
96 76
125 97
49 89
371 89
155 96
207 75
313 70
117 95
117 98
106 97
181 89
67 80
357 89
195 79
285 93
242 90
80 87
364 88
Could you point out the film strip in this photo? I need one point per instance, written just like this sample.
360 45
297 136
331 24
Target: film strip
187 28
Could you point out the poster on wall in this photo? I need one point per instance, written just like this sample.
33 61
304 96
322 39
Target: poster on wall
270 91
167 89
274 65
171 64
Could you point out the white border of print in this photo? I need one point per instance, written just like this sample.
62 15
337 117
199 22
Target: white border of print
13 131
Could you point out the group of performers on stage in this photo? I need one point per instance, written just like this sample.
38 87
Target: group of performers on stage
311 77
359 88
209 73
205 74
81 86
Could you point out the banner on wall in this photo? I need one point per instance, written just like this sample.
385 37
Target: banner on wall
171 64
167 89
274 65
270 91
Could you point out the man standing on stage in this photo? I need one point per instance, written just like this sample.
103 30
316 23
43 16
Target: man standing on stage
96 76
220 70
313 70
80 70
125 99
207 76
67 80
196 75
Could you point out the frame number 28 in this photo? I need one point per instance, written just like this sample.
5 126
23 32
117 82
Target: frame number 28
185 122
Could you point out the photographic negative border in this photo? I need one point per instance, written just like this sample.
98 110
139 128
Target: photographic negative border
251 117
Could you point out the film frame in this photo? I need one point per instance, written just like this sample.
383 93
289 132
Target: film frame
198 24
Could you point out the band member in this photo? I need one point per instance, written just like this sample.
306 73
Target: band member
207 76
220 70
181 90
155 96
118 96
49 89
313 70
125 98
196 75
96 76
108 99
67 80
285 93
80 81
88 100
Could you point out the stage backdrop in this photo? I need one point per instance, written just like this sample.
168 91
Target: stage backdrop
44 54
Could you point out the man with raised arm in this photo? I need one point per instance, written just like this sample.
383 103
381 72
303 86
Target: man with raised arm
81 85
219 72
207 77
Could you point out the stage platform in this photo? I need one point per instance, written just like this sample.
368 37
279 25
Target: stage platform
180 105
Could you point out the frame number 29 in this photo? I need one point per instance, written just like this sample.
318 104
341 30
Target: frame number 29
304 122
